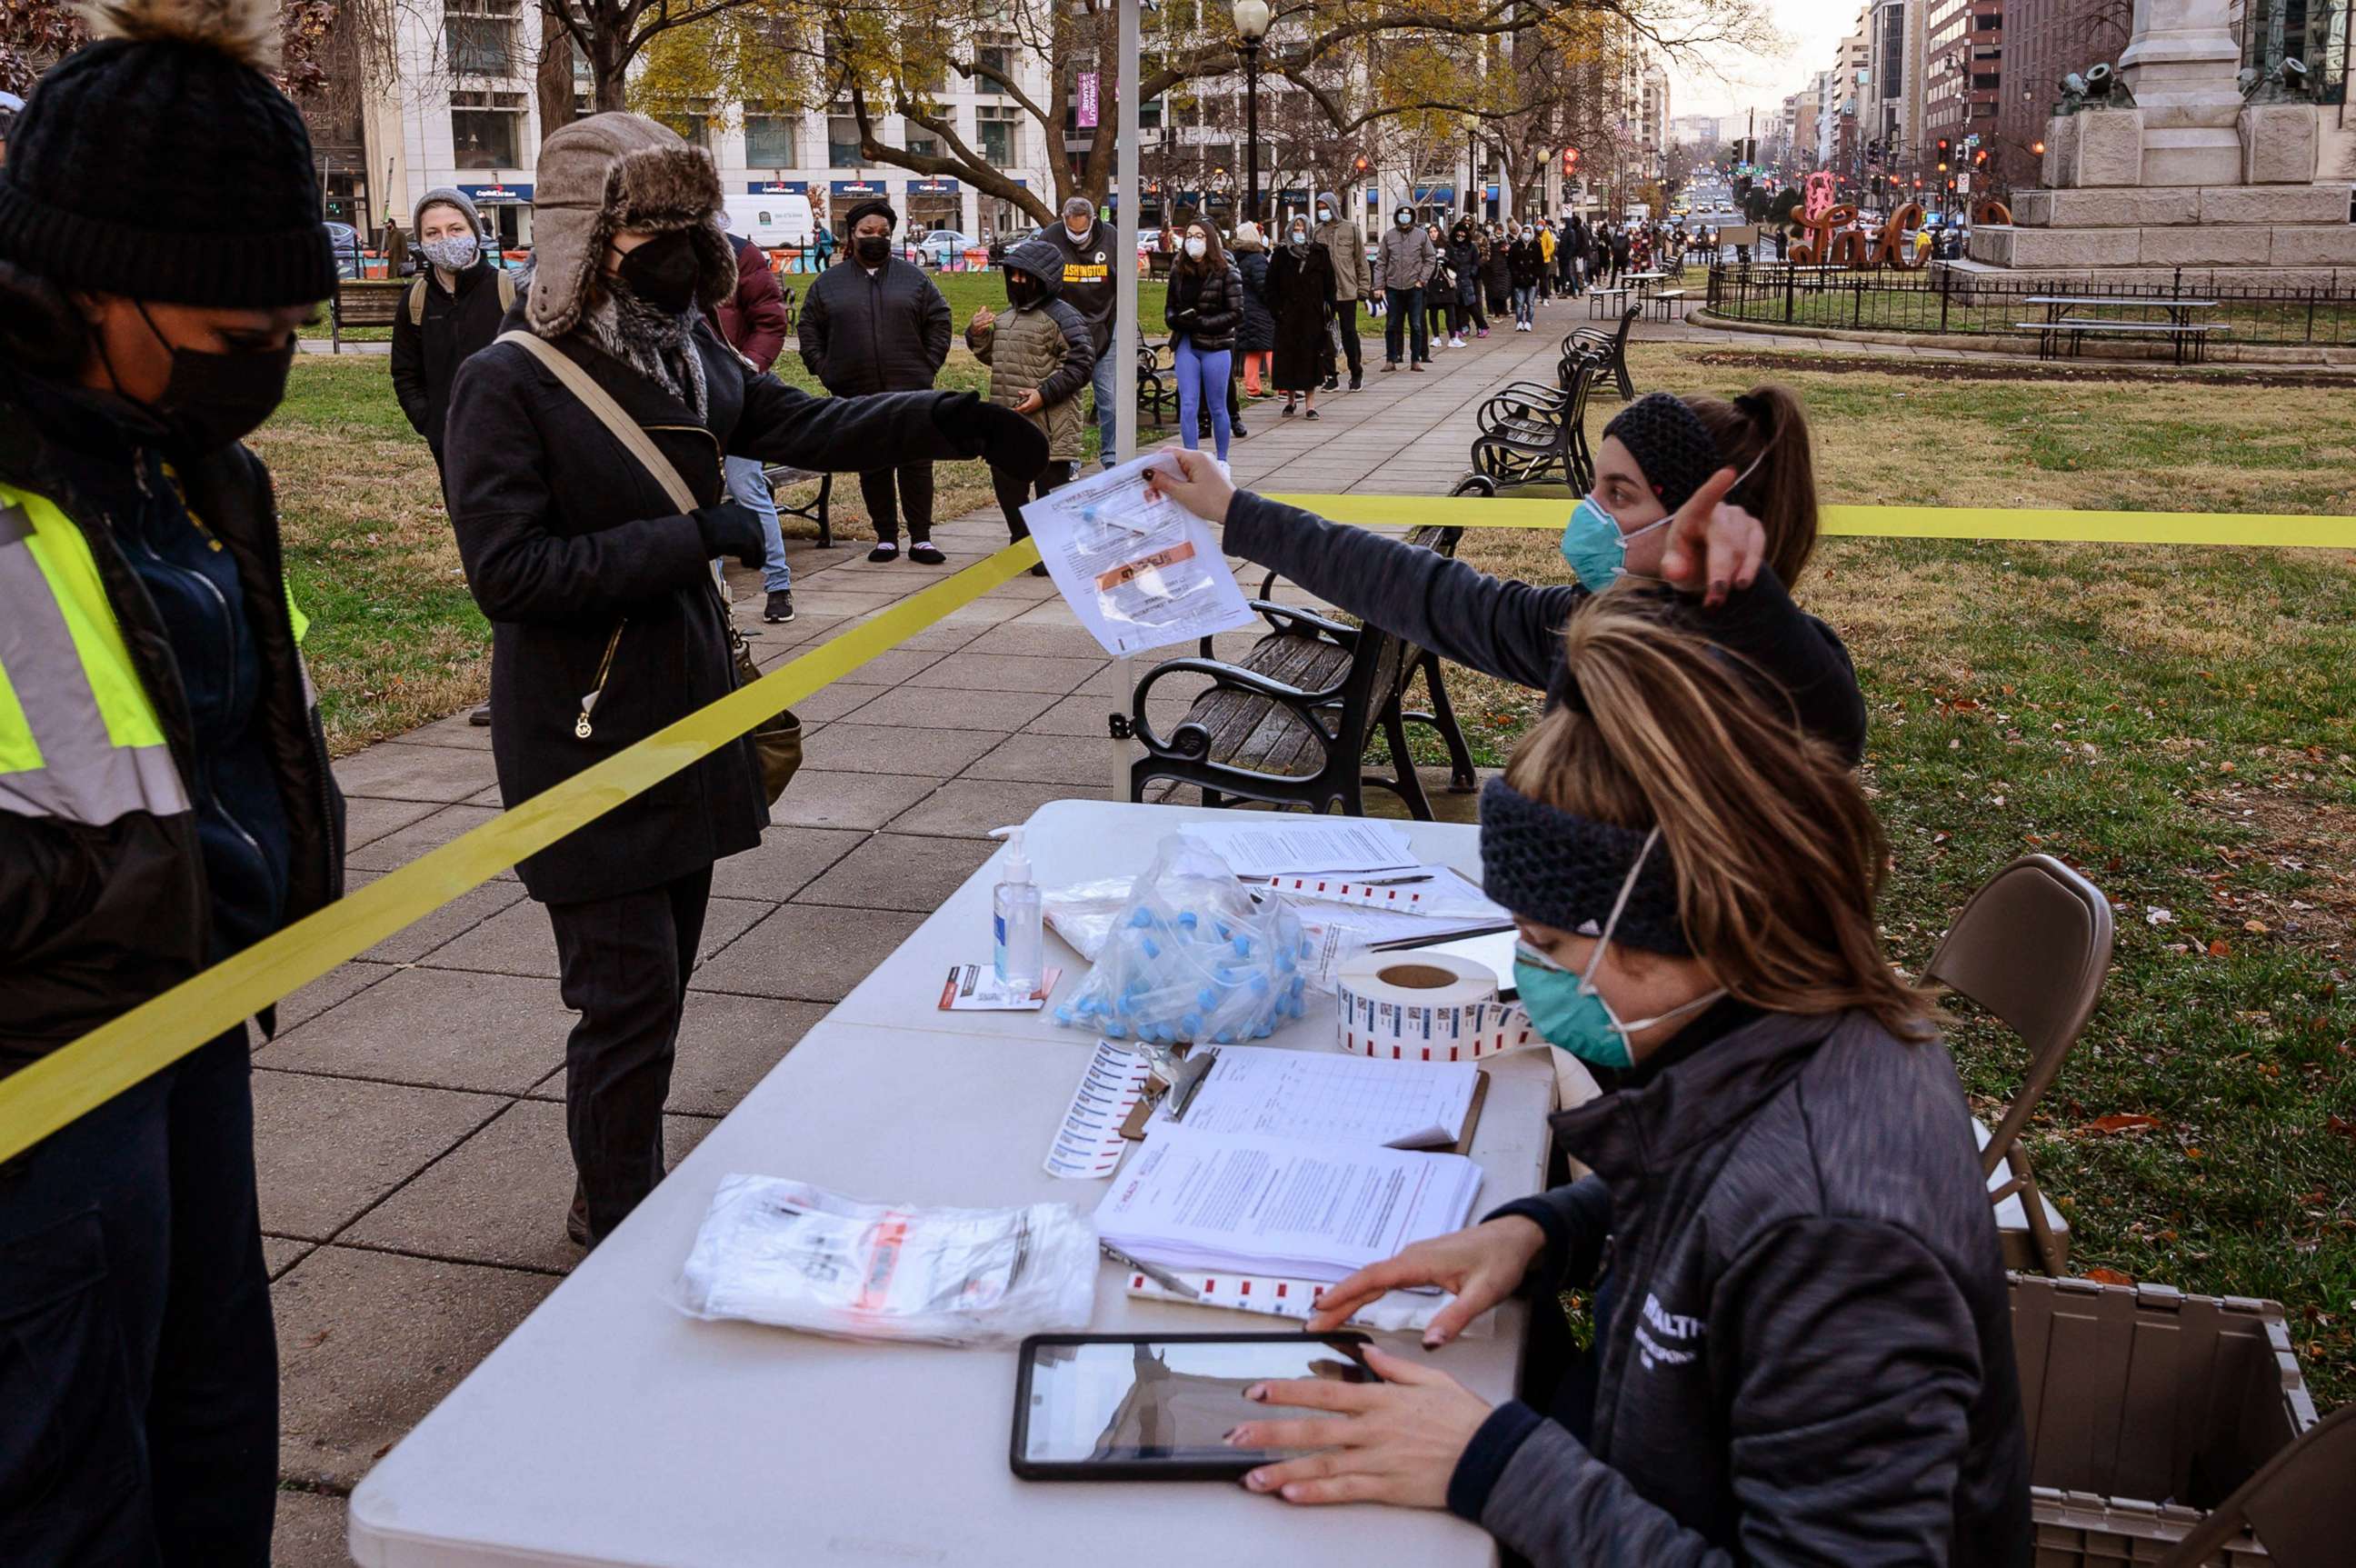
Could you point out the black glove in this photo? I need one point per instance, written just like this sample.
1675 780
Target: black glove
1005 439
733 528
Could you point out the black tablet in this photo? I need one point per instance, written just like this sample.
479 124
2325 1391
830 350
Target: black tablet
1154 1407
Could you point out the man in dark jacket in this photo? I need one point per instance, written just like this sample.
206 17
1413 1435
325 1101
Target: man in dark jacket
450 312
165 795
605 625
875 323
1088 246
1353 280
752 321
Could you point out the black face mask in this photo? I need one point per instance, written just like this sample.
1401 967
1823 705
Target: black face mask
872 250
663 272
213 400
1021 290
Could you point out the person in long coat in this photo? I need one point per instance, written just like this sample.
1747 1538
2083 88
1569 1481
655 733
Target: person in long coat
1301 291
606 624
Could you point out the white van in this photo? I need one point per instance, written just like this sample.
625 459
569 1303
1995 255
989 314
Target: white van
771 221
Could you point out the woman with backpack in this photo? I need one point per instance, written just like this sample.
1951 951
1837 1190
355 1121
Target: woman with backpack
573 440
451 311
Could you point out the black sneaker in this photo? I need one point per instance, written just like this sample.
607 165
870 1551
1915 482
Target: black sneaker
481 717
576 1218
1332 384
1039 570
1357 382
885 549
780 608
925 552
1237 432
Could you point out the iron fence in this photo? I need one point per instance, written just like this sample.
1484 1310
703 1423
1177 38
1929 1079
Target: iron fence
1942 299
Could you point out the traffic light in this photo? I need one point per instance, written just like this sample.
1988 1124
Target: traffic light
1570 162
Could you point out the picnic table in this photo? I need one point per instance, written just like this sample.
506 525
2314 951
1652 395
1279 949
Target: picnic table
2190 338
611 1428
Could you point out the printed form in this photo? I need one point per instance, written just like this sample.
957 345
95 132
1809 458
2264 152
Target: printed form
1140 571
1237 1201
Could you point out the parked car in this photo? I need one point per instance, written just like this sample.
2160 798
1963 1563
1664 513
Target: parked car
944 249
347 243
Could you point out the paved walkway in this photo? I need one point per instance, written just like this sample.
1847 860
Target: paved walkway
409 1117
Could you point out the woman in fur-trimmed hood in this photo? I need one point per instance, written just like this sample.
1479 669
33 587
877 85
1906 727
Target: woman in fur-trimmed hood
606 622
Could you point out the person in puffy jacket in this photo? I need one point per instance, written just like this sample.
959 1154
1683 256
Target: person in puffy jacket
1256 338
166 801
1523 266
1040 354
1202 310
1801 1333
875 323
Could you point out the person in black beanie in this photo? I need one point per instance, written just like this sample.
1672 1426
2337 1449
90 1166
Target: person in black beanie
873 324
165 795
1701 497
606 624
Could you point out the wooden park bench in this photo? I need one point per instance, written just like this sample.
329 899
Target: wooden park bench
1155 390
1533 434
816 510
1290 722
363 302
1613 347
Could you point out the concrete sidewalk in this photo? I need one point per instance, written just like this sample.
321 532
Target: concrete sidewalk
409 1117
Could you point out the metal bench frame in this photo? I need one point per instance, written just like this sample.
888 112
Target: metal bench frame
1340 718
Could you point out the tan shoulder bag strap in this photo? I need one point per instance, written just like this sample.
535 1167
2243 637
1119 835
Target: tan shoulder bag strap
594 398
417 302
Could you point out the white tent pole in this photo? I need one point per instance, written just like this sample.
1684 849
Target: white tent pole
1126 336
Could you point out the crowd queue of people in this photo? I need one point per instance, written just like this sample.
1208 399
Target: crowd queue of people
1778 1367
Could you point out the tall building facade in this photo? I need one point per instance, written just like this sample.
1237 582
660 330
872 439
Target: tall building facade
1963 86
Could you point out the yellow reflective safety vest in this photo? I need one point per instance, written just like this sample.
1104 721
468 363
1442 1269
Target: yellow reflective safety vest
79 740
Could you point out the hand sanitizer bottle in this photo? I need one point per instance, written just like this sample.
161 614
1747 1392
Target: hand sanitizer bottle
1017 940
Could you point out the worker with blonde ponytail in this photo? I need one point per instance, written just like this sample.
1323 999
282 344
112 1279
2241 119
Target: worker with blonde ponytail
1802 1344
1736 552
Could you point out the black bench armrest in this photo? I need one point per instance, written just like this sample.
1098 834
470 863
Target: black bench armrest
1232 678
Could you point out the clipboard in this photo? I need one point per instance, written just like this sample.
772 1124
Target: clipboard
1133 1129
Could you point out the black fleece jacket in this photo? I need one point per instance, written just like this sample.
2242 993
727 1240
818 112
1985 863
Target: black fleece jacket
1809 1356
1514 630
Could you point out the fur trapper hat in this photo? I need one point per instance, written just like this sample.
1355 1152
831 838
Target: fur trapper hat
604 174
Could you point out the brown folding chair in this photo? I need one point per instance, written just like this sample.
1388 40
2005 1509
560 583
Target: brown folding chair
2032 947
2300 1504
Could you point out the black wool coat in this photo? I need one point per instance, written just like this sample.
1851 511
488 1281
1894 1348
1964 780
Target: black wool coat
566 538
1301 290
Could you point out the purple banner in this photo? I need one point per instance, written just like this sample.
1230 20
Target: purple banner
1087 86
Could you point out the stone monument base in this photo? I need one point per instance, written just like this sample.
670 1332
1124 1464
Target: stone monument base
2084 227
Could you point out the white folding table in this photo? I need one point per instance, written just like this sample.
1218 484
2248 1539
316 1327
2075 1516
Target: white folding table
610 1428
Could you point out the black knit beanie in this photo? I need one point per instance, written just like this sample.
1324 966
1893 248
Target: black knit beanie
1670 442
1547 866
159 162
861 208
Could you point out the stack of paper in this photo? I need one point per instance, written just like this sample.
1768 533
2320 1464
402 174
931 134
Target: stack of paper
1262 843
1212 1201
1323 1097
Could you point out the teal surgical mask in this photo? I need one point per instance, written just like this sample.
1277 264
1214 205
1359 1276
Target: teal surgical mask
1593 544
1567 1010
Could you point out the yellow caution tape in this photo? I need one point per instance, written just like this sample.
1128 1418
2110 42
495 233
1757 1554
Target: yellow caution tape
69 1083
2255 529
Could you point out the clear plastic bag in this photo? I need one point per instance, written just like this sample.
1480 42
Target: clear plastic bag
785 1252
1085 913
1194 956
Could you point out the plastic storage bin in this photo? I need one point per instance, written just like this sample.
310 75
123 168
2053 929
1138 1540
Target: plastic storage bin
2145 1408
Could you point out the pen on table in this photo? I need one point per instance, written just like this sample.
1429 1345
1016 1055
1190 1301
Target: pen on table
1394 881
1153 1272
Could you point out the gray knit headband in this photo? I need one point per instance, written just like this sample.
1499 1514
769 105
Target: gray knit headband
1566 871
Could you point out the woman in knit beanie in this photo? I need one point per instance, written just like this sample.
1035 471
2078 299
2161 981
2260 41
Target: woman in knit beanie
1700 496
164 797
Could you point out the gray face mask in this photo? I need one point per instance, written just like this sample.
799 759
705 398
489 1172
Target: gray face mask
454 253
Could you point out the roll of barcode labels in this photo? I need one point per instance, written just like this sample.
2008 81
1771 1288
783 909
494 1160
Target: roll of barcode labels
1431 1007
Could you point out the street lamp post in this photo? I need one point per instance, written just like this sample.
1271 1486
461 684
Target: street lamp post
1252 17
